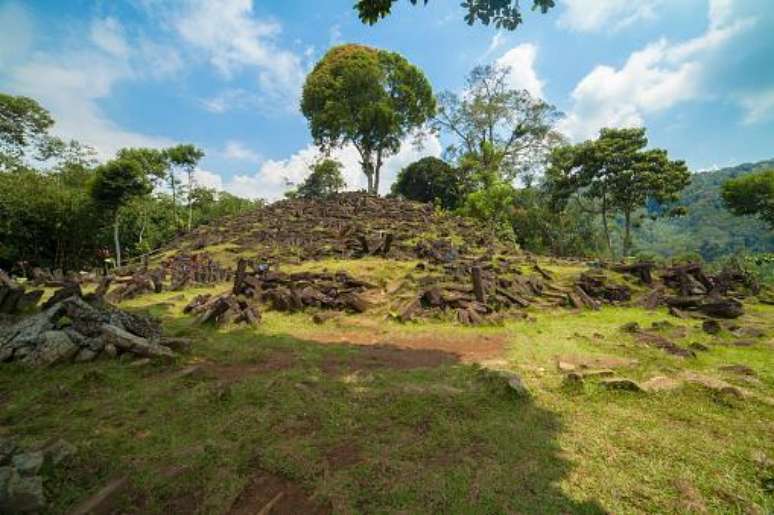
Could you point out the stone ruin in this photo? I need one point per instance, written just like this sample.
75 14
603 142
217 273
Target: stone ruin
75 328
281 292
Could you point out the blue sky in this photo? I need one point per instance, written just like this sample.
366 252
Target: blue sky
226 74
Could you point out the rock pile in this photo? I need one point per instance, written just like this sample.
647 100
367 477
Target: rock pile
182 269
14 297
201 268
79 329
294 292
485 293
21 474
222 309
692 289
348 225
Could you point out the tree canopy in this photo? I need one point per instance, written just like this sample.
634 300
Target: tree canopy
370 98
324 181
431 180
617 174
503 14
751 195
504 129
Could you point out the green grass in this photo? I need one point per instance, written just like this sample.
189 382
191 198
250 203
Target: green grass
448 439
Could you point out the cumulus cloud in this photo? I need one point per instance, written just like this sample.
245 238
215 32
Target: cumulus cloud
274 177
233 39
521 61
597 15
238 151
656 78
70 82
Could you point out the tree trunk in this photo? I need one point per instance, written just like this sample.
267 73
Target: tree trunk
607 229
174 197
627 242
190 204
377 172
117 241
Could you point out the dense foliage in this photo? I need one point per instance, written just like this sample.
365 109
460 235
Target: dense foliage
432 180
707 229
58 209
324 181
617 174
369 98
504 14
751 195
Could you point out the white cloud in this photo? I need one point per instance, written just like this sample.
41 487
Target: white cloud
70 82
16 30
273 176
758 106
521 61
233 39
207 179
654 79
108 35
596 15
237 151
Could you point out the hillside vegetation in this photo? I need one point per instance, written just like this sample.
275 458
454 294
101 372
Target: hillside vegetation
708 229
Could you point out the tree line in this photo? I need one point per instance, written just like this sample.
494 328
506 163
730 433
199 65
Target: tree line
60 208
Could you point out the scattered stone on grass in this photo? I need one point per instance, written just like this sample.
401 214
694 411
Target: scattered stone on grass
711 326
621 383
714 384
743 370
21 483
661 384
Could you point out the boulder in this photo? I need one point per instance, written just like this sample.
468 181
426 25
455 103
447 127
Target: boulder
19 494
711 326
28 463
56 347
621 383
138 345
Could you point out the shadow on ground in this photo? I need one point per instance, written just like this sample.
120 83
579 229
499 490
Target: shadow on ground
288 426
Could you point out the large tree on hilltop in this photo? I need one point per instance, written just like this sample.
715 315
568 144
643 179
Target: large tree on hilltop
504 129
370 98
504 14
617 174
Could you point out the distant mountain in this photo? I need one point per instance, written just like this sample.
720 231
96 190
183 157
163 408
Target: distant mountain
708 229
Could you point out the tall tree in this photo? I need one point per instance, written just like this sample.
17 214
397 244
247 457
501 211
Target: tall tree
185 157
617 174
505 128
24 126
370 98
115 183
751 195
505 14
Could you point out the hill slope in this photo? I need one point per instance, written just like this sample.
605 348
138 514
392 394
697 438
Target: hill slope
708 228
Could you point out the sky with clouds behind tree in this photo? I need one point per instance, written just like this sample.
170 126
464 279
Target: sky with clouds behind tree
226 75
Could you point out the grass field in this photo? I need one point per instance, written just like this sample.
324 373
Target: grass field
411 420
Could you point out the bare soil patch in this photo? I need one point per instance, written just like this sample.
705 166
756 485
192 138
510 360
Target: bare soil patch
268 493
379 357
474 348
